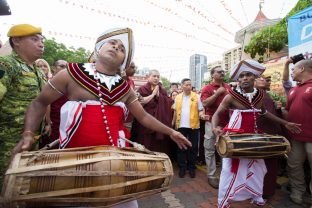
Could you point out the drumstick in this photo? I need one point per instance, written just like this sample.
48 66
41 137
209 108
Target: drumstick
137 145
41 152
51 145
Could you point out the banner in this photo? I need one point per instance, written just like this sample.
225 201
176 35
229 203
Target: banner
275 68
300 33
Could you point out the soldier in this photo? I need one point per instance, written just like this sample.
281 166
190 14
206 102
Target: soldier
20 83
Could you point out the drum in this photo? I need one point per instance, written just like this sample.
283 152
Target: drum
253 146
99 176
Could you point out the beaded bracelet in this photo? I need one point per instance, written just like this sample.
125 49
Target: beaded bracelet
262 114
28 131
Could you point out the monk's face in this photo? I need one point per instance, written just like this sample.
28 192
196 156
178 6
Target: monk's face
154 78
112 52
246 80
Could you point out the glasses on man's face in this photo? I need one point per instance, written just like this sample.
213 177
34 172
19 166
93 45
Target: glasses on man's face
220 72
62 66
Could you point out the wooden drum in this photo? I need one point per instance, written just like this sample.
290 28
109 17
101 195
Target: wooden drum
99 176
253 146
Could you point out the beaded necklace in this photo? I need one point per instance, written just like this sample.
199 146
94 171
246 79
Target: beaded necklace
98 84
250 96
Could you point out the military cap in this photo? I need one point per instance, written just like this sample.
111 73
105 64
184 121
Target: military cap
23 30
266 76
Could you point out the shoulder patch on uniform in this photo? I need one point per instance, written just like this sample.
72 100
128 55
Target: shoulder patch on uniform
1 73
3 63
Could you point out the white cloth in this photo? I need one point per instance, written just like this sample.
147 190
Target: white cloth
246 65
247 183
125 35
236 118
71 115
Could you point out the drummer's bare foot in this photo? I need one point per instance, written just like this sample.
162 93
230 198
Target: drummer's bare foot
213 182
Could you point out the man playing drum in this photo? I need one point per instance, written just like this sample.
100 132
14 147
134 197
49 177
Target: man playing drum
242 179
98 100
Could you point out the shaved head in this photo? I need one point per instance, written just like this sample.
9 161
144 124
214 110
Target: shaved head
306 64
153 71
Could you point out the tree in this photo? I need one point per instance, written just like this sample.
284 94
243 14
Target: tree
54 51
165 83
273 38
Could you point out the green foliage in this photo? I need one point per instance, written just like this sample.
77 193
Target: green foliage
227 77
277 97
206 82
54 51
165 83
274 37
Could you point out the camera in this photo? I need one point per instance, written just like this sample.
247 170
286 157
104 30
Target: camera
297 58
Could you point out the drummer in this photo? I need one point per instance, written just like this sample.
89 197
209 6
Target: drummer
242 179
98 100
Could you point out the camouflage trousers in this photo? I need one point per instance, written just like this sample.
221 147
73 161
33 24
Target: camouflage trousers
9 137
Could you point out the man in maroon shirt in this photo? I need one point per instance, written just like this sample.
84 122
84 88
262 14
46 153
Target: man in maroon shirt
211 97
299 107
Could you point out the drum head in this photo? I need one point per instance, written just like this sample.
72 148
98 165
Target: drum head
222 146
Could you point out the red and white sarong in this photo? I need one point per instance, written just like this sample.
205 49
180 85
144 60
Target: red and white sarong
82 124
245 181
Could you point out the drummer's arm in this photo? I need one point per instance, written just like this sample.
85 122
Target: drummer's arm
150 122
225 104
293 127
37 110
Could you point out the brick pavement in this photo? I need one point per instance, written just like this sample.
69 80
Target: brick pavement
196 193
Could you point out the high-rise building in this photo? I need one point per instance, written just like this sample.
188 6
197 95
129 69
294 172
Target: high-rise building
198 66
231 57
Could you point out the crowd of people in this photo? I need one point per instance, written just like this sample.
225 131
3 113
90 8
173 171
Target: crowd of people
74 103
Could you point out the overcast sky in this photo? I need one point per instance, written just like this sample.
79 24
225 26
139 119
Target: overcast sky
167 32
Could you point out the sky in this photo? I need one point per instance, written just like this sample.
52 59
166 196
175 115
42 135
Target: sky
166 32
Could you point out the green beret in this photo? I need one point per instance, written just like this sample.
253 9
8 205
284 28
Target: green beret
23 30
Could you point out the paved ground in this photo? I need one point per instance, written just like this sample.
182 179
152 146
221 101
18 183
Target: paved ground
196 193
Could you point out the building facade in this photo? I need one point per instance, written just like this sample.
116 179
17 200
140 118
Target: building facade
231 57
198 66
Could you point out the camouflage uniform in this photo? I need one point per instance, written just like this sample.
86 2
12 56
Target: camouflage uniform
19 85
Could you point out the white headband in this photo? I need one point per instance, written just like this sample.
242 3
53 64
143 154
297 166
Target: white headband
246 65
125 35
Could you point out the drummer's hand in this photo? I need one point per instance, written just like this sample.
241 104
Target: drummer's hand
47 130
181 141
293 127
217 132
24 144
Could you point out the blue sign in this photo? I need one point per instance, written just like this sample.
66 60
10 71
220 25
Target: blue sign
300 28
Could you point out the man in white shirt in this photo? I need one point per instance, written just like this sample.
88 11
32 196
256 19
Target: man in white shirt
188 110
